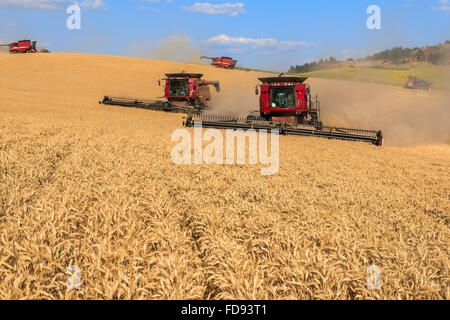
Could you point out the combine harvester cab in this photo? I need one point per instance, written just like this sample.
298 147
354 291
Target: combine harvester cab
189 89
183 93
286 104
286 99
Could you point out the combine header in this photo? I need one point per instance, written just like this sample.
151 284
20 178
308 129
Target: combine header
222 62
286 104
286 128
184 93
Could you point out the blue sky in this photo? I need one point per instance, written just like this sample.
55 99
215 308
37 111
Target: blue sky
259 33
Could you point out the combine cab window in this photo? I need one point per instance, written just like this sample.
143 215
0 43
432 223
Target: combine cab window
178 88
282 97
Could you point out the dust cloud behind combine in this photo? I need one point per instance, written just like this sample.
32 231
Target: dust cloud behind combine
233 101
406 117
176 48
3 50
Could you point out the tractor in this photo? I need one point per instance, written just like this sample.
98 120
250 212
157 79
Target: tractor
418 84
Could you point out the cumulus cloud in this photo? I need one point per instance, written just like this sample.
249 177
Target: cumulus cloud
155 1
51 4
155 10
231 9
92 4
444 6
225 40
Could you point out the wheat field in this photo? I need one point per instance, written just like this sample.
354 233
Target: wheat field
94 186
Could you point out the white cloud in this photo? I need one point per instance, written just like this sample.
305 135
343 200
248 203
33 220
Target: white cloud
445 6
155 1
92 4
155 10
225 40
231 9
235 50
51 4
33 4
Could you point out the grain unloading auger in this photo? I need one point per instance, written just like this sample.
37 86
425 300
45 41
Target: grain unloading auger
286 104
183 93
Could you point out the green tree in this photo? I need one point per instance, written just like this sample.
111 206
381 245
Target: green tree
419 55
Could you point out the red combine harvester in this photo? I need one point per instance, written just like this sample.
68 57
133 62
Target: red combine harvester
184 93
222 62
286 98
22 46
285 104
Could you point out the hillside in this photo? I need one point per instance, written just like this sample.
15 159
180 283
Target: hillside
94 186
392 66
397 77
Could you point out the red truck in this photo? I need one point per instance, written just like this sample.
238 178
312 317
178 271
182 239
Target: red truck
222 62
22 46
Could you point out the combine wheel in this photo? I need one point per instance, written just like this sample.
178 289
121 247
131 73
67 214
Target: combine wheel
300 118
315 119
318 125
